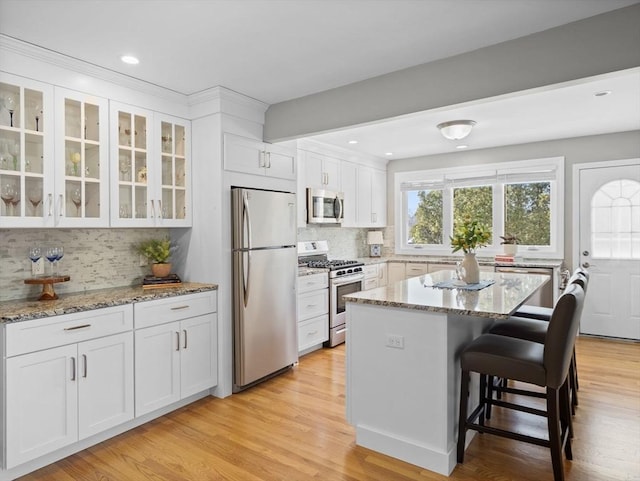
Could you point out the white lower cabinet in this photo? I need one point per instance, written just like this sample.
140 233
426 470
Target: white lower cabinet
313 310
174 358
62 394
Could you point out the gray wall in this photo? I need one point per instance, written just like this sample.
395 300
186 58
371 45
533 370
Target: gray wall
618 146
597 45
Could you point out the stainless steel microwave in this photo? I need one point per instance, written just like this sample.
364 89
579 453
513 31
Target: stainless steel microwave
324 207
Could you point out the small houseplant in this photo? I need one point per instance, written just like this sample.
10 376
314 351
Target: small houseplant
510 243
468 237
157 251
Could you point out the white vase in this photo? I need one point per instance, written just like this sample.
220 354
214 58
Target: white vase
471 268
510 249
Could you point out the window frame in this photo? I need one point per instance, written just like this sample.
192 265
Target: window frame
497 175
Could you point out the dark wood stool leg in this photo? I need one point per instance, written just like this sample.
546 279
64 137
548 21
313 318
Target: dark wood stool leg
462 417
488 389
555 437
566 423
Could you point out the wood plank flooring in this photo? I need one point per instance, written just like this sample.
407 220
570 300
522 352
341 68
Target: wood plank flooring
293 428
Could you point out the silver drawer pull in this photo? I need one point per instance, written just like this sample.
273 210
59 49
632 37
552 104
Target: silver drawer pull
313 333
178 308
77 327
309 306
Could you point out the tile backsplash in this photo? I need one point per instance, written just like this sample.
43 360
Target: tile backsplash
93 258
344 242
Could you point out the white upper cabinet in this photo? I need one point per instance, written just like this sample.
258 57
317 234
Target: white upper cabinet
372 198
150 169
81 190
251 156
26 152
349 176
322 172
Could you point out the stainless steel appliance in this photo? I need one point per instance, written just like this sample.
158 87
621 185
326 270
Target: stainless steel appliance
264 284
324 206
345 277
544 296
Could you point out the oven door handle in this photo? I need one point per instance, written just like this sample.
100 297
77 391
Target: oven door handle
339 281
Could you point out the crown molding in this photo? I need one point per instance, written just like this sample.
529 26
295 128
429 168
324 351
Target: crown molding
35 52
341 153
223 100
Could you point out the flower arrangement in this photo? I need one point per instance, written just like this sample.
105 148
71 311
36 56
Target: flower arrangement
469 236
509 239
157 251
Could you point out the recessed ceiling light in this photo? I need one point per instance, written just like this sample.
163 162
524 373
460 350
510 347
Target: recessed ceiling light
603 93
353 141
388 153
461 146
130 59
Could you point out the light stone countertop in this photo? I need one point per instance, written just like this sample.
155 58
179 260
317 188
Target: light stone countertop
309 271
496 301
23 310
486 261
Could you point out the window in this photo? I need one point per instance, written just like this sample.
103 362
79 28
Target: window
523 198
615 220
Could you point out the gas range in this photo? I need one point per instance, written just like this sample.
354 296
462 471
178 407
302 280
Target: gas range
314 254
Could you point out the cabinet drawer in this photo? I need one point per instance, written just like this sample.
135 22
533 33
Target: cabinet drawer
313 282
160 311
370 284
313 304
30 336
312 332
370 272
416 269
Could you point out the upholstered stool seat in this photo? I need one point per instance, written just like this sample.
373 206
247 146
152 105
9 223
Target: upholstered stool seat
521 328
542 364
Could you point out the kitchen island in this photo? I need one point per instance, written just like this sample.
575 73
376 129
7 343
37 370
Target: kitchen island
402 368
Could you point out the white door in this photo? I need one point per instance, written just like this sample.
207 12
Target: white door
197 364
609 247
105 375
41 403
157 367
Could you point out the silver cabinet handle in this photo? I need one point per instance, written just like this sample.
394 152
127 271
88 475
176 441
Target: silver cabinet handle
84 362
73 368
153 209
177 341
185 338
50 196
312 333
311 305
61 197
261 161
160 213
268 160
81 326
178 308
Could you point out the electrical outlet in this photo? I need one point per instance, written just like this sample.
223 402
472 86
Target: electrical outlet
143 261
395 341
37 268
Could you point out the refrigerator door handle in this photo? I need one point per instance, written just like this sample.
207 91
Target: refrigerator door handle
246 222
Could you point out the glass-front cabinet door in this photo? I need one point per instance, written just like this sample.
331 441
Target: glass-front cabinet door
81 176
26 152
173 206
131 190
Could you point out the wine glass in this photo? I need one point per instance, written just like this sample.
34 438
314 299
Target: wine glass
52 256
35 197
15 152
15 201
124 167
34 253
76 198
37 110
7 194
10 103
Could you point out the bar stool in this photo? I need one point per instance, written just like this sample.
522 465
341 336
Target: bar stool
545 365
534 329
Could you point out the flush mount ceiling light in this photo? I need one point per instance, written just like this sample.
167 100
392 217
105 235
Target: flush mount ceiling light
456 129
353 141
130 59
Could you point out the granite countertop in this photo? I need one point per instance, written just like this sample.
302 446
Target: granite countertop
487 261
24 310
496 301
308 271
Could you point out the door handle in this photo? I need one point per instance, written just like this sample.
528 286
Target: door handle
84 362
185 338
73 368
586 265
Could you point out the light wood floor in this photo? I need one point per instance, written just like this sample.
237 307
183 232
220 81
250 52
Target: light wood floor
292 428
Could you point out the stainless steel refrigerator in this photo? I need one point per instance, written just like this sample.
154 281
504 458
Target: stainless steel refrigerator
264 283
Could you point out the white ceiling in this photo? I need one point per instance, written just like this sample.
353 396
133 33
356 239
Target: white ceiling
274 50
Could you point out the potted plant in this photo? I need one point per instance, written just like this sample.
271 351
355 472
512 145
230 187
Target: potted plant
510 243
158 252
468 237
